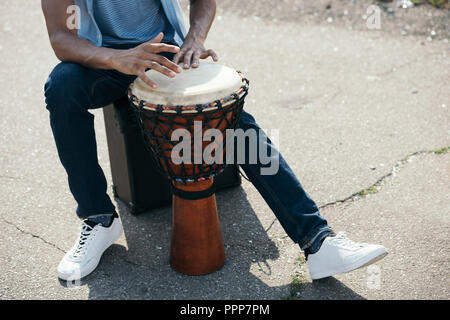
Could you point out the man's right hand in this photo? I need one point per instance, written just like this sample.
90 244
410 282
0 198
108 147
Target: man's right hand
136 60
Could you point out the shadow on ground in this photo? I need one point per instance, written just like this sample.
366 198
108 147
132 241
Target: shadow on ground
143 272
327 289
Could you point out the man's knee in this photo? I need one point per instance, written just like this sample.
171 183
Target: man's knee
64 85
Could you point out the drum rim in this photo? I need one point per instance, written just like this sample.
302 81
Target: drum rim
198 108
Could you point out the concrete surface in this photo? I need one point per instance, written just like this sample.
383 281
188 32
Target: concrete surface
349 104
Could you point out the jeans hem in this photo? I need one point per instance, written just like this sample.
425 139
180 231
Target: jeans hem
309 240
82 215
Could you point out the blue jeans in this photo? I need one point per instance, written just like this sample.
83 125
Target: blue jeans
71 90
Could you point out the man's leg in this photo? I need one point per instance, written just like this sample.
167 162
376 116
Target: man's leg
327 253
296 211
70 91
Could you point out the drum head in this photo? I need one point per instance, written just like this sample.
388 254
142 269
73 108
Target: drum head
205 84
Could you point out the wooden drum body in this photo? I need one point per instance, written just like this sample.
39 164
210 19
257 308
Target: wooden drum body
209 97
196 242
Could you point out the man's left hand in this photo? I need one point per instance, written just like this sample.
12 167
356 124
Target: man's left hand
192 51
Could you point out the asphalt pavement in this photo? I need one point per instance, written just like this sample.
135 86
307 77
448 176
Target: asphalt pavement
363 120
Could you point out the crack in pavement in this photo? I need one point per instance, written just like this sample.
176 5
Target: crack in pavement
376 187
10 177
58 248
407 63
33 235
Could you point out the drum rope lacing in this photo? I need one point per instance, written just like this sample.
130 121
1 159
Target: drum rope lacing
198 108
157 122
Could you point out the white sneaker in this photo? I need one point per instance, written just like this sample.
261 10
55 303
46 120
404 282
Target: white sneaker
85 255
339 254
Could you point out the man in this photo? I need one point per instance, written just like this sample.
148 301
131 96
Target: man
116 42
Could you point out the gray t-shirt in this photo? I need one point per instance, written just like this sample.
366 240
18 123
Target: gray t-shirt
131 21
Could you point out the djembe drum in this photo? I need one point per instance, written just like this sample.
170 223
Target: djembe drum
210 97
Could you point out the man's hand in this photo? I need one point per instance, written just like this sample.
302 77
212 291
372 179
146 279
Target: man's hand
201 16
136 60
192 51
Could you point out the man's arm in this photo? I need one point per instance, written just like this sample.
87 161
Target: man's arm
69 47
201 17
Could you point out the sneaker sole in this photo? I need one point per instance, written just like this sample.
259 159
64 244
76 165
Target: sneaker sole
93 263
364 262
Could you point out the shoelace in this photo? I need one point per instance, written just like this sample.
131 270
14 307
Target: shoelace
83 240
341 240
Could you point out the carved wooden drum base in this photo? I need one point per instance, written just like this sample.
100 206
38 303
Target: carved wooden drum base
196 242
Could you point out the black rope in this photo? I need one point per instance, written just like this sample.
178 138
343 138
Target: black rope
242 173
194 195
157 127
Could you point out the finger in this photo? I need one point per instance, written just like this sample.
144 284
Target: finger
210 53
157 39
187 59
161 60
213 55
161 69
177 57
195 59
160 47
143 76
167 63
